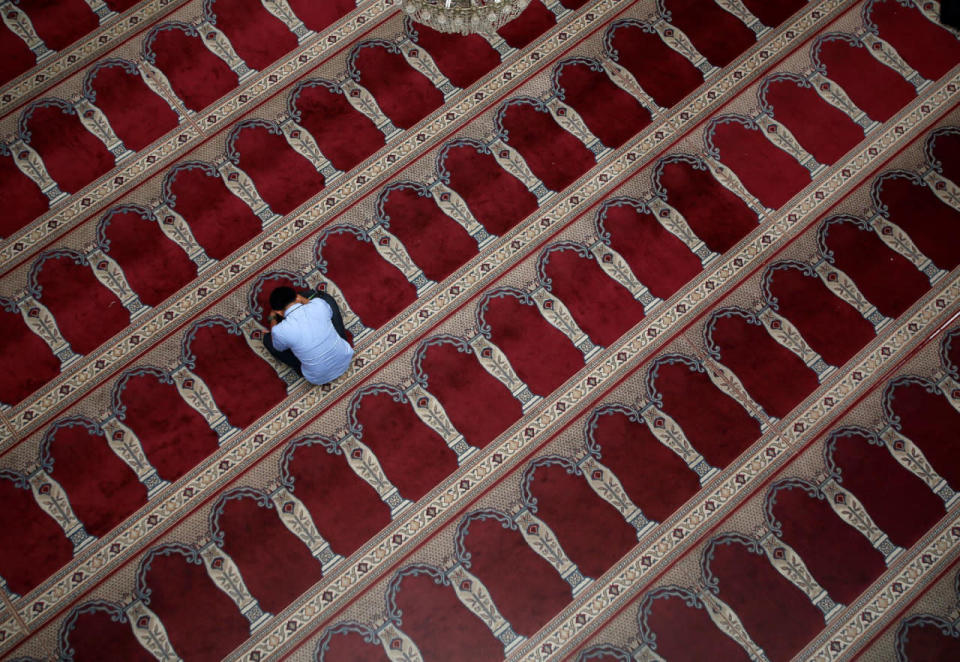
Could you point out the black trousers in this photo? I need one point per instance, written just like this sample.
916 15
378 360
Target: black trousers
287 356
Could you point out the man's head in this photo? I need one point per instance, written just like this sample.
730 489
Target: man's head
282 297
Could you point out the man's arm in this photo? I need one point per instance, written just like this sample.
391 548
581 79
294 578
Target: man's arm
321 302
278 340
276 332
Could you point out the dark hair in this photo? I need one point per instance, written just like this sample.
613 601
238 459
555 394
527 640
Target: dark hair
281 297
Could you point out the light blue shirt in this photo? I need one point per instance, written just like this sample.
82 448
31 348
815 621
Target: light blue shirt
308 331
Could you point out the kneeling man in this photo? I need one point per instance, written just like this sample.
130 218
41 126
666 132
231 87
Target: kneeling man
308 335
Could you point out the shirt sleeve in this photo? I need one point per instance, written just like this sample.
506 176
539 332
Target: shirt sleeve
322 305
278 338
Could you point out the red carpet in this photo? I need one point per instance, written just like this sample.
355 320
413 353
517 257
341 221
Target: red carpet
655 307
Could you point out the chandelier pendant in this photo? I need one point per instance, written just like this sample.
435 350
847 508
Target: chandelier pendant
464 16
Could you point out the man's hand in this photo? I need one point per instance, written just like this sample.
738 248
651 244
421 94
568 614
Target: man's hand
302 299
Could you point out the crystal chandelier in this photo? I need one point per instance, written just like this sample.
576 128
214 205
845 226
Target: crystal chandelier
464 16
